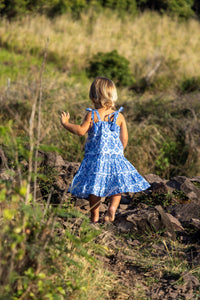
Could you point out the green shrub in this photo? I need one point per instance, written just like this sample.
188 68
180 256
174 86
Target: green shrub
182 8
120 5
111 65
196 7
62 6
50 7
172 157
189 85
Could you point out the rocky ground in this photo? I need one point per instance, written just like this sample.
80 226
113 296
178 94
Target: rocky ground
154 242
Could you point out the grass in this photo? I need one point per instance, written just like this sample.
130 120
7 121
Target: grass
149 38
154 260
17 66
156 119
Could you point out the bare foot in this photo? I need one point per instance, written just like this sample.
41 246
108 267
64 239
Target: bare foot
94 220
110 216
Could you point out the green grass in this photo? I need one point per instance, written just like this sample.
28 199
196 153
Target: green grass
159 141
18 67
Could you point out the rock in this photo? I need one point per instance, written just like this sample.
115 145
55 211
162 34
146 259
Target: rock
103 208
185 185
68 172
176 182
80 202
125 199
191 191
166 221
124 206
121 222
195 179
175 223
191 282
53 159
152 178
195 223
186 212
142 220
159 188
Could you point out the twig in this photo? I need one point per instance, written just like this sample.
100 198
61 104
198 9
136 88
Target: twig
15 115
48 201
39 120
4 159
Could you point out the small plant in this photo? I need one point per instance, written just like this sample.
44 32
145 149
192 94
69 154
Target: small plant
189 85
173 155
164 199
111 65
197 184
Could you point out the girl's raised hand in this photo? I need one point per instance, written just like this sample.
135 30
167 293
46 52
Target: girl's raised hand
65 116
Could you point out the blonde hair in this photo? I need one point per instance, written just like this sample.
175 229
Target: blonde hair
103 92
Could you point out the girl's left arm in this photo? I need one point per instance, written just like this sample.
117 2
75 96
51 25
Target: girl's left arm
73 128
123 131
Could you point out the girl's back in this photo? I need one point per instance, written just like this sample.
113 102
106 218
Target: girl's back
104 135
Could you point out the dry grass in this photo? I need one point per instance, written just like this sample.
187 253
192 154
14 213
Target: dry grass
144 40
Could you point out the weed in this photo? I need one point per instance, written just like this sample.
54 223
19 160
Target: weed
189 85
197 184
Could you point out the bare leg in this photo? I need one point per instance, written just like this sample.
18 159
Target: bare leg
94 207
114 203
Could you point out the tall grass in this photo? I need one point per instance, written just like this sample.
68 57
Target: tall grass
154 124
143 40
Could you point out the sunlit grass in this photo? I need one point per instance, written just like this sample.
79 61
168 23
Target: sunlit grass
143 40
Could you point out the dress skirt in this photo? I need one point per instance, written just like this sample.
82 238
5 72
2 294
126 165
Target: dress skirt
106 175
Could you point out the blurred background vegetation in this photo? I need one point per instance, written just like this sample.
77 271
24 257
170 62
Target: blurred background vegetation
151 50
182 8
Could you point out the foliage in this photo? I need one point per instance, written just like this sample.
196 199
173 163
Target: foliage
111 65
164 199
161 136
34 246
172 155
189 85
121 5
34 250
182 8
196 7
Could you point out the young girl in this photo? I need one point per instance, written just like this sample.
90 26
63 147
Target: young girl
104 171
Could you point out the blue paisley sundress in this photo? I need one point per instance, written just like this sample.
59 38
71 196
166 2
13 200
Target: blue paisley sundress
104 170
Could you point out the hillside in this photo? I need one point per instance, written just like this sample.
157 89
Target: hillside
156 113
48 247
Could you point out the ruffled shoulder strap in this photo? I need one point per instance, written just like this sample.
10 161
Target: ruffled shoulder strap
94 124
116 113
92 110
121 109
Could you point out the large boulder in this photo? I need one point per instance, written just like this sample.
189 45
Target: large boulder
145 219
186 212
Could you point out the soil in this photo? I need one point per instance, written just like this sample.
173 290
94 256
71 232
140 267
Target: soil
140 279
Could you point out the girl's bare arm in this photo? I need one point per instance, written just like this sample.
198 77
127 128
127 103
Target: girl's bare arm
73 128
123 131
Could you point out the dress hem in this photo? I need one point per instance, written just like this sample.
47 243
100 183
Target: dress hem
85 196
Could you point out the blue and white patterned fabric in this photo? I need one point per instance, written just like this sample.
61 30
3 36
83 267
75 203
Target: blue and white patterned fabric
104 170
